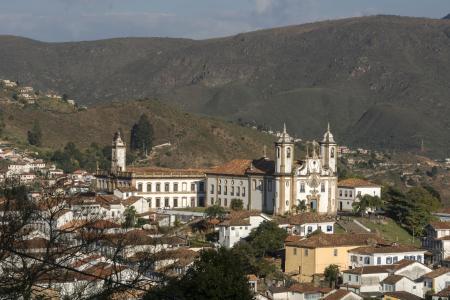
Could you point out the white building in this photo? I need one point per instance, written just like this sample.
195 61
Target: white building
8 83
306 223
383 255
279 186
436 280
350 190
238 226
437 241
298 291
118 157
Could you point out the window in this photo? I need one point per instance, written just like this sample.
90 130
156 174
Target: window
349 277
201 187
346 194
212 201
329 228
238 192
388 260
322 187
309 229
166 187
332 153
166 202
288 155
192 187
395 259
302 187
225 202
335 252
232 191
353 258
225 190
184 186
378 260
175 187
212 189
306 252
243 191
175 202
158 202
340 193
367 260
149 201
158 187
219 189
350 194
419 258
232 228
295 251
140 187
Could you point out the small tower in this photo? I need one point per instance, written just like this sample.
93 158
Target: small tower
328 151
118 157
284 153
284 165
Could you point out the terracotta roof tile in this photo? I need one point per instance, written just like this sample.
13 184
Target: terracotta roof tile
440 225
304 218
392 279
356 182
241 167
339 294
385 249
444 293
335 240
436 273
403 296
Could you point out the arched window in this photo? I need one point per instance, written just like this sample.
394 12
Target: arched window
149 187
140 187
288 151
332 153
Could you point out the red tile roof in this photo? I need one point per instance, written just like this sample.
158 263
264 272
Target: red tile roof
304 218
385 249
403 296
436 273
241 167
440 225
337 295
356 182
321 240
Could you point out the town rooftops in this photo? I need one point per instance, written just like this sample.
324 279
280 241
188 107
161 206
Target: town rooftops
392 279
166 172
321 240
440 225
379 248
241 218
337 295
381 268
403 295
444 293
241 167
355 183
306 218
436 273
126 189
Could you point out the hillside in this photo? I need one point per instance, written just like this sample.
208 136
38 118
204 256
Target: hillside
381 81
195 141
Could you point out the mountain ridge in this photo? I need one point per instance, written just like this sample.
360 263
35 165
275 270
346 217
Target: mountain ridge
306 75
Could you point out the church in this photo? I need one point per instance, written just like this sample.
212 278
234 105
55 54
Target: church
278 186
281 185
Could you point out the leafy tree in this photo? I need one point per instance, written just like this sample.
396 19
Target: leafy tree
331 274
237 204
130 217
267 238
65 97
215 211
365 203
301 207
216 275
35 135
142 135
433 192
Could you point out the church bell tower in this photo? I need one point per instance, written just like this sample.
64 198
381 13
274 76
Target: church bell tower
328 151
118 157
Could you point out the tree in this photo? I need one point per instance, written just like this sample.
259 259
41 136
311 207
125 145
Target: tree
215 211
130 217
142 135
35 135
366 202
267 238
65 97
237 204
215 275
331 274
301 207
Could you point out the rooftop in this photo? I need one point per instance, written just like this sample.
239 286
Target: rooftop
440 225
305 218
436 273
403 296
241 167
380 248
356 182
321 240
338 294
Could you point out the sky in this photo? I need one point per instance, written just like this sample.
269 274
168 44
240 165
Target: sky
75 20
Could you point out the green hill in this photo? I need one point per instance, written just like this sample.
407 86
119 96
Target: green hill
387 71
195 141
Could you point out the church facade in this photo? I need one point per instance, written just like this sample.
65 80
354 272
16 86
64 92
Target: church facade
278 186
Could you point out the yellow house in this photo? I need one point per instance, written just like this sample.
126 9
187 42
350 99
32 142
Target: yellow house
306 257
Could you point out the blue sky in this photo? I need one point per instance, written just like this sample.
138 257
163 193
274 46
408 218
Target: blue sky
74 20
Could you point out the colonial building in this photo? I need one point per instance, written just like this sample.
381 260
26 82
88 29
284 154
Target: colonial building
279 186
161 187
352 189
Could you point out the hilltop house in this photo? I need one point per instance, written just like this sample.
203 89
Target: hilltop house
437 241
350 190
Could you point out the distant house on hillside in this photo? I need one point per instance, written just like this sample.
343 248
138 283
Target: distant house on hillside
350 190
8 83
